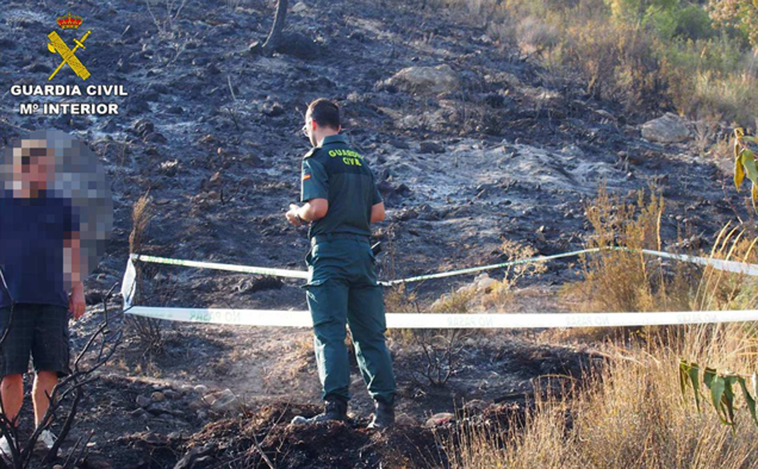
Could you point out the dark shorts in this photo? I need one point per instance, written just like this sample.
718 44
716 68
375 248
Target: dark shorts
39 330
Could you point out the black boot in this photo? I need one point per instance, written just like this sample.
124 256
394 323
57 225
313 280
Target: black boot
384 416
333 410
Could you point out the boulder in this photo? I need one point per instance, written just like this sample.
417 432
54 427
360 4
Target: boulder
434 80
225 401
299 7
272 109
668 128
299 45
430 146
486 284
440 419
405 420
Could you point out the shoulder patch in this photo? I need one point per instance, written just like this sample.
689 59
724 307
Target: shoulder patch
311 152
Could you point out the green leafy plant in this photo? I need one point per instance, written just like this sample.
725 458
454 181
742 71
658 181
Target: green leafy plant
721 389
744 162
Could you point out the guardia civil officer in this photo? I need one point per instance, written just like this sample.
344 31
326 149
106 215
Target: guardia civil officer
341 201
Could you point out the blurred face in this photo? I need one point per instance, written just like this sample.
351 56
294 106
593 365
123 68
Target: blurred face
33 165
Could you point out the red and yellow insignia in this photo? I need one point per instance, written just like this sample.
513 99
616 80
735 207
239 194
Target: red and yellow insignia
306 177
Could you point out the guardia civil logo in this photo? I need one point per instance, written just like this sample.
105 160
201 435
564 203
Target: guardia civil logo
57 45
82 99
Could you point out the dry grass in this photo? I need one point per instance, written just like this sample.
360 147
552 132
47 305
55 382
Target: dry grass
617 280
141 216
147 330
631 413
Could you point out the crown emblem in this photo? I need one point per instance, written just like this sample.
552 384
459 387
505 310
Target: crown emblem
69 21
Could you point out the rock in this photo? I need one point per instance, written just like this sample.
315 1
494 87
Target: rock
668 128
215 179
486 283
435 80
169 168
155 137
210 71
143 401
37 67
159 408
494 100
390 191
298 45
140 414
157 396
399 144
190 459
248 285
356 36
225 401
405 420
171 394
255 47
439 419
143 127
431 147
473 407
201 389
299 7
272 109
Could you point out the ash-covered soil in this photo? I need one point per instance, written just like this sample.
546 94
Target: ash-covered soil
211 132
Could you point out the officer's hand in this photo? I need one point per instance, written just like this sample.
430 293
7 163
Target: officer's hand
76 303
292 215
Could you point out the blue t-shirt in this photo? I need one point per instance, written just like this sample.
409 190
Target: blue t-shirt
31 248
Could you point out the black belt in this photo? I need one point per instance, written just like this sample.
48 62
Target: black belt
330 236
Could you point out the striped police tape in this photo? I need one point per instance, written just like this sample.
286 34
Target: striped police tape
276 318
719 264
283 318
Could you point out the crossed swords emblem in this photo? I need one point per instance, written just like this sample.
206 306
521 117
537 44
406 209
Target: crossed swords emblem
56 44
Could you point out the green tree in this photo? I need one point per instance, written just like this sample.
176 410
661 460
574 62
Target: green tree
739 14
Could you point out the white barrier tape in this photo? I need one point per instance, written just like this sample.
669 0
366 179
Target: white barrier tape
276 318
226 267
304 274
729 266
273 318
492 266
719 264
129 283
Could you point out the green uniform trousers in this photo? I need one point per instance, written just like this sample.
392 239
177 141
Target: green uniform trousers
342 289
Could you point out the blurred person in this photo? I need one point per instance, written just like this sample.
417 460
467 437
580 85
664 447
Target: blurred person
41 282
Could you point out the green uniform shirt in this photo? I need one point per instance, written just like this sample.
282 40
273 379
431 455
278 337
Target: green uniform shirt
336 172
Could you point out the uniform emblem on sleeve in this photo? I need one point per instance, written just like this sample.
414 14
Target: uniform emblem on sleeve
306 177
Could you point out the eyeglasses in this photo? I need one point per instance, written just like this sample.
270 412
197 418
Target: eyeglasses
305 130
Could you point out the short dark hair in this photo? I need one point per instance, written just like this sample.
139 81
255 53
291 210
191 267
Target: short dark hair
325 113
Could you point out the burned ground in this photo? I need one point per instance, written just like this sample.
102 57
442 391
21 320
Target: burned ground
211 131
